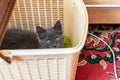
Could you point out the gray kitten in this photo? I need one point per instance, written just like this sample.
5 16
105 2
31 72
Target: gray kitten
43 38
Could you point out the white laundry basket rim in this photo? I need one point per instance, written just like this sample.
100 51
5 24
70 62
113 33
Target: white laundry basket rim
52 51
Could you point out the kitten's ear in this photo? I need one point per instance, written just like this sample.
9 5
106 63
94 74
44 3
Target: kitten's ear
58 26
40 29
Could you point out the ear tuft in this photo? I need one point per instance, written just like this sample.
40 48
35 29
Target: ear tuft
40 29
58 26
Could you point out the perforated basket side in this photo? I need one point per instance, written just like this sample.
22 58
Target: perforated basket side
35 68
29 13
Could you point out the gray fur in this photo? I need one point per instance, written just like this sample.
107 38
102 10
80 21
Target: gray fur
44 38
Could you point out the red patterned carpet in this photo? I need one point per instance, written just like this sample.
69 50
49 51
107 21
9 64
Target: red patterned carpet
95 60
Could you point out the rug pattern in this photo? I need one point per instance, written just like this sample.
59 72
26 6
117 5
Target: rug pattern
95 59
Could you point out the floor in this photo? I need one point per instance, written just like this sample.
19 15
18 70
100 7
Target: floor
95 60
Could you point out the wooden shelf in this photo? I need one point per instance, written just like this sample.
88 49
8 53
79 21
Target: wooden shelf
103 15
102 1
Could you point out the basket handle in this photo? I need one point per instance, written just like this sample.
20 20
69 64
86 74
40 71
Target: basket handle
6 7
5 56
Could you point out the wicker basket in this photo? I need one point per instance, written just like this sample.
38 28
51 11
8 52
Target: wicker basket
46 64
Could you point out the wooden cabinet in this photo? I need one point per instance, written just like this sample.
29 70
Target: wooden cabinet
102 1
103 15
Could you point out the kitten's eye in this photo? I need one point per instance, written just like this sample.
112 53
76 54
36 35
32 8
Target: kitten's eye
48 41
42 36
57 39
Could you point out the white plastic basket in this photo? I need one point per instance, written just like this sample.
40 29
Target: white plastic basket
47 64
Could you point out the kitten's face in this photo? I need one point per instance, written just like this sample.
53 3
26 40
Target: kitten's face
52 37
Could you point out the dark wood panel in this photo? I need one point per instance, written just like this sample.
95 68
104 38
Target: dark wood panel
6 7
104 15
